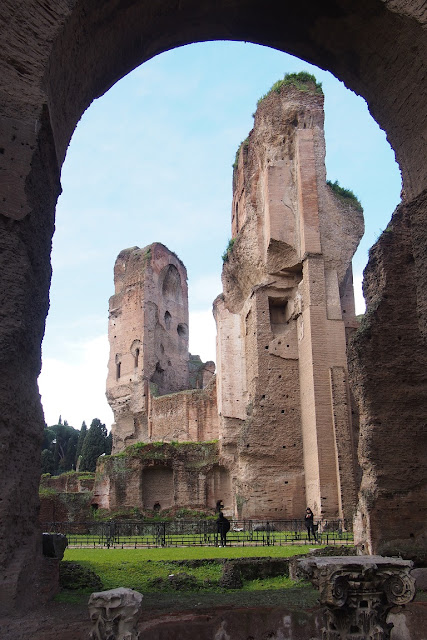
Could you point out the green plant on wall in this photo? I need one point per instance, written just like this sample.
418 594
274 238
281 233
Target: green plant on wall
345 194
242 145
226 254
303 81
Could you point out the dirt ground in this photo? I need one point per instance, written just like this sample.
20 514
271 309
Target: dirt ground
70 621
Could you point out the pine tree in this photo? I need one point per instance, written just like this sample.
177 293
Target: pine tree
61 439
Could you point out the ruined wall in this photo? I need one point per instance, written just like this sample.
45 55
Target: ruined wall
66 498
161 476
288 300
148 334
187 416
55 58
393 432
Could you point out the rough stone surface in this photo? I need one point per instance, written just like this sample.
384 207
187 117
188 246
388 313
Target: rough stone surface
114 614
55 58
358 592
149 358
392 509
288 302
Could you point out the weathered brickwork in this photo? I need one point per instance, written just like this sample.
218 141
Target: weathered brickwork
280 406
55 59
149 359
288 298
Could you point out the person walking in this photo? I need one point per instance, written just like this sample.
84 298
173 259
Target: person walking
309 523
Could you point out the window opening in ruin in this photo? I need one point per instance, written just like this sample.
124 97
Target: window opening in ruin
157 507
136 358
182 330
278 315
118 367
168 318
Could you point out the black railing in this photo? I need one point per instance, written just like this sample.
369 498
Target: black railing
183 533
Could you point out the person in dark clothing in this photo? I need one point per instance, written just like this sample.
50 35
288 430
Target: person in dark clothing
223 527
309 523
219 506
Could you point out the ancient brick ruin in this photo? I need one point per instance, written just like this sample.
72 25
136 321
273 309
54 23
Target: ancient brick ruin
149 359
281 408
55 59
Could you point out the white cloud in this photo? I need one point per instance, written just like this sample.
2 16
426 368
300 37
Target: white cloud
203 335
76 391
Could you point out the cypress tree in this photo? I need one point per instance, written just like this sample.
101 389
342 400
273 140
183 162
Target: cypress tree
93 446
80 441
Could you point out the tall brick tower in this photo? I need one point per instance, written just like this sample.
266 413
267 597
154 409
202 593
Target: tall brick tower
288 303
148 335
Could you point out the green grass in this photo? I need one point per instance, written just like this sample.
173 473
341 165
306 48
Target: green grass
139 568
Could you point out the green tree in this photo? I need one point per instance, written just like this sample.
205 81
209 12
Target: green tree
61 440
47 461
80 441
94 445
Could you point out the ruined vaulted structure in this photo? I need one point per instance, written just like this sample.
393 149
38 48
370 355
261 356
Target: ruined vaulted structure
56 58
288 303
282 411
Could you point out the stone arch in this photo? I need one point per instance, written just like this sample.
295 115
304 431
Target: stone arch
74 53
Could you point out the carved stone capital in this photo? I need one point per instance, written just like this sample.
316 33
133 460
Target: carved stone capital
114 614
357 593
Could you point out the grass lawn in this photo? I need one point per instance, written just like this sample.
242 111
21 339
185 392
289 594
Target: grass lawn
148 570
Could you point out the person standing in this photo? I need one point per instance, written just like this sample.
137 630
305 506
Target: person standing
309 523
223 527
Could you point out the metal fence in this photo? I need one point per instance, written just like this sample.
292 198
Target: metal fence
182 533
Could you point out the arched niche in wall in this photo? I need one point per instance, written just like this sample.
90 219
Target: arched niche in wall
218 487
171 287
157 487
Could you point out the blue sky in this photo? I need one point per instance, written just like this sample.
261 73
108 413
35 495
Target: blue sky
151 161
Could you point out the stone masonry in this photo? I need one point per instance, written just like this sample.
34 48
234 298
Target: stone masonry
55 59
282 412
287 306
148 334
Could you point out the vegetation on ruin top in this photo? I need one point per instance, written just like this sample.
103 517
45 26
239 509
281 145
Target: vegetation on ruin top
163 449
225 256
345 195
303 81
243 145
